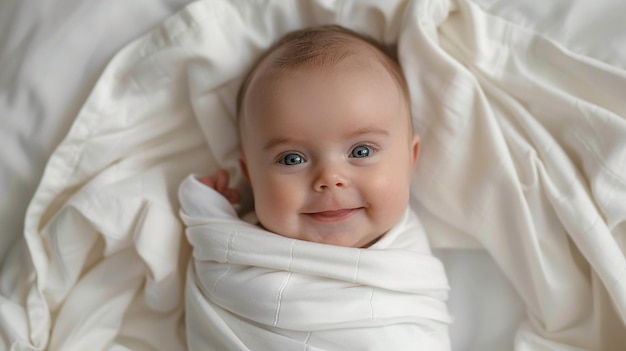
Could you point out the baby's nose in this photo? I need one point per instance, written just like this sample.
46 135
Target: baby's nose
330 179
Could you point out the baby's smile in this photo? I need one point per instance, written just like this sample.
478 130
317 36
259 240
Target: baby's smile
334 215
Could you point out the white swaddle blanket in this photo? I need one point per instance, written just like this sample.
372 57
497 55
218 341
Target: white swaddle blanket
250 289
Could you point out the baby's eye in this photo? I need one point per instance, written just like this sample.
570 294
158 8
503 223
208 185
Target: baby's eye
291 160
361 151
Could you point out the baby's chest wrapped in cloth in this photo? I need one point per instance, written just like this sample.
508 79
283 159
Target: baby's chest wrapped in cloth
255 288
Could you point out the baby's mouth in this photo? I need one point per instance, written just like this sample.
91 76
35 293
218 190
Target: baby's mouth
334 215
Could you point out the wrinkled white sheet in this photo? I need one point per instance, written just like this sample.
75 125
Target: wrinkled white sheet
251 289
525 155
51 55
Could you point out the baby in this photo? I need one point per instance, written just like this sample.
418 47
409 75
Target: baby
329 151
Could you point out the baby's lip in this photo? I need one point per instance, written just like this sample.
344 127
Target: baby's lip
333 215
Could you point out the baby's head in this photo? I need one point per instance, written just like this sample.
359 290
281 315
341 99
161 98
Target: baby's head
327 142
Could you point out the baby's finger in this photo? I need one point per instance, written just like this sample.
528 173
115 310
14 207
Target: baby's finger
232 195
208 181
221 180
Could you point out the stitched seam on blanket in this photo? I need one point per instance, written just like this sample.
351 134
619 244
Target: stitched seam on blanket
371 304
229 247
306 341
284 285
293 243
356 270
228 268
280 298
219 279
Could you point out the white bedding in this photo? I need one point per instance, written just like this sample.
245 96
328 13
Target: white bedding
522 121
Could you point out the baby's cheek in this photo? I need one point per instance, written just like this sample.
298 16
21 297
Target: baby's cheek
390 196
277 202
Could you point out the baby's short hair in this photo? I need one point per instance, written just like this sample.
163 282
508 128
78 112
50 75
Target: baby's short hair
323 46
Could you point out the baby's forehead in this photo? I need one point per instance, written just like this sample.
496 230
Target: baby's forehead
320 51
277 90
334 53
335 61
352 73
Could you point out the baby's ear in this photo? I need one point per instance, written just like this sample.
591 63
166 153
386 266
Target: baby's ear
415 149
243 166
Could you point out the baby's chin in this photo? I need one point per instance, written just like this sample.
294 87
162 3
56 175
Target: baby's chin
343 239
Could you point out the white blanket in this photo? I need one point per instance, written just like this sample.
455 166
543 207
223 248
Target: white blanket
523 153
250 289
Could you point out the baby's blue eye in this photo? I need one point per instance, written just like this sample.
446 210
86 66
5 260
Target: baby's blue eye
291 160
361 151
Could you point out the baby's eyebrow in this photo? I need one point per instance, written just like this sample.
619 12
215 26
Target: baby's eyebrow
368 130
272 143
277 141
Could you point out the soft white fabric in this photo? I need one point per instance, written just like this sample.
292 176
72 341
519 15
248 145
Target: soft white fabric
523 153
51 55
255 290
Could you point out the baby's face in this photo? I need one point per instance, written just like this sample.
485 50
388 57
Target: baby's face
328 153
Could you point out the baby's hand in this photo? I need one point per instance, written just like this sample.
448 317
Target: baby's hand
219 182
